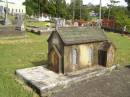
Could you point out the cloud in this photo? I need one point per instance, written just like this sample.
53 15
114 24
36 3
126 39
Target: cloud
20 2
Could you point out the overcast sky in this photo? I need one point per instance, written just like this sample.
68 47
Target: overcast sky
104 2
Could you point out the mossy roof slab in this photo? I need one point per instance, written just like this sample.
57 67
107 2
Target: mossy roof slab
75 35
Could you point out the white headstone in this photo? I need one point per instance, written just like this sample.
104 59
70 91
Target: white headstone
60 22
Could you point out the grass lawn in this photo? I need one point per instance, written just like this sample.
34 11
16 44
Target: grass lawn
123 48
19 53
32 51
38 24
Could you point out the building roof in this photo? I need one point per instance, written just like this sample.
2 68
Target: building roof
78 35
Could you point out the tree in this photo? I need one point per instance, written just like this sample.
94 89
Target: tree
43 6
128 2
32 7
76 8
122 17
36 7
120 14
85 13
111 5
52 8
58 8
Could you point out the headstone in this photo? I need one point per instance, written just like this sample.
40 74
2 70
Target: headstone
6 20
1 11
76 24
32 17
124 29
20 23
44 18
60 22
1 14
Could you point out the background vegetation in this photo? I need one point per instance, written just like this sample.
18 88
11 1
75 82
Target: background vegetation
76 10
20 53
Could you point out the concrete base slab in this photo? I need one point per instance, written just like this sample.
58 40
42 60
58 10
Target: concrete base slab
44 80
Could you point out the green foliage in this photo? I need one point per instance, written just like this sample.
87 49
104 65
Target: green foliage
120 13
43 6
32 7
52 7
85 13
121 16
78 5
128 2
59 8
56 8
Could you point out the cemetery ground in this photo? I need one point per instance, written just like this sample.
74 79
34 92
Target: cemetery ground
32 51
37 24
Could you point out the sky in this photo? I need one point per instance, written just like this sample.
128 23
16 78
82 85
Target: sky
95 2
104 2
19 2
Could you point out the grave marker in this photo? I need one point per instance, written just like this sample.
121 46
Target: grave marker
20 23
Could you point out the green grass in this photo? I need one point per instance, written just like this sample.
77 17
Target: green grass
11 18
122 44
32 51
20 53
38 24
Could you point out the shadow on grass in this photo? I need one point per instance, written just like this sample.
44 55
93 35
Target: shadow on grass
40 63
36 33
128 66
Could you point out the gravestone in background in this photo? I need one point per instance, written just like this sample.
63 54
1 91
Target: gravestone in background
16 29
1 11
60 23
76 24
6 20
20 23
1 15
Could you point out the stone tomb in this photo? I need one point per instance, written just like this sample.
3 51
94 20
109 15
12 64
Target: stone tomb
45 82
